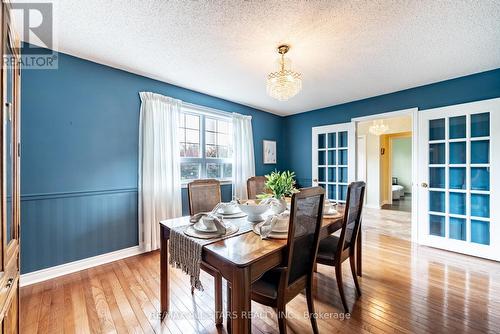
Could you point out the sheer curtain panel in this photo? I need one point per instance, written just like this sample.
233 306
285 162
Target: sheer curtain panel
243 154
159 166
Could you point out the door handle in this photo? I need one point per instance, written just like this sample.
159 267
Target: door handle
315 180
424 185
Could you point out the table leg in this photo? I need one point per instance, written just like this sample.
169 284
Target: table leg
164 280
240 301
229 307
359 254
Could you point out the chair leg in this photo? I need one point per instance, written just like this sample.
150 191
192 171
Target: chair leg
338 275
310 307
218 298
282 319
352 261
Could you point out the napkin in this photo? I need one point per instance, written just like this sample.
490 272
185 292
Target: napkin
218 221
267 227
219 224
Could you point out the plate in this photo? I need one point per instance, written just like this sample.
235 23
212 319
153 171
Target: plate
200 227
240 214
191 232
272 235
331 214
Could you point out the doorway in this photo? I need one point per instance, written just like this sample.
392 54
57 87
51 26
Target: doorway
395 178
384 160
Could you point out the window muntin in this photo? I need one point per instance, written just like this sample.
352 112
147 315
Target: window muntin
205 146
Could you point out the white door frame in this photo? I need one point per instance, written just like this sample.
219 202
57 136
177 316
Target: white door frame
491 251
413 112
351 145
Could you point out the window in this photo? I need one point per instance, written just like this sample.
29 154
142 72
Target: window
205 146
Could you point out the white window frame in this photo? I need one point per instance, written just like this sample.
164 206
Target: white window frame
203 113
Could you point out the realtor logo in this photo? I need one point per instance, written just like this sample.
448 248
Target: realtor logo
34 24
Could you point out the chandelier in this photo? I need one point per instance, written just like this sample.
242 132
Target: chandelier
284 83
378 128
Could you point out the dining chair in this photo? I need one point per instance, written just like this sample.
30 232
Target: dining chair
203 196
280 285
256 185
333 250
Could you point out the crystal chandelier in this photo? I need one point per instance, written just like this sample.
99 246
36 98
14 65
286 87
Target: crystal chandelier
284 83
378 128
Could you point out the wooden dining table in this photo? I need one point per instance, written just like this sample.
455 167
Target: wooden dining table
241 260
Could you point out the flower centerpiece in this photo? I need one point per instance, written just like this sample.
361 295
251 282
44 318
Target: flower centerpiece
280 184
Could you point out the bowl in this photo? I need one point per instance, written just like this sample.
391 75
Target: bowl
282 222
253 210
228 208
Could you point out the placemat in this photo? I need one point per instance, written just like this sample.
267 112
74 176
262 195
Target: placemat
185 251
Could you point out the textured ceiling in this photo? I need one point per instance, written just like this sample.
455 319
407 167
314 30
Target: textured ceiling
346 50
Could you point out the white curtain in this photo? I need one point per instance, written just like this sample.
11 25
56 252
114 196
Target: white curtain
243 156
159 166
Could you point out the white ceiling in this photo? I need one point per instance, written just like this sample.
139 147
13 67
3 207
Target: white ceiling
346 50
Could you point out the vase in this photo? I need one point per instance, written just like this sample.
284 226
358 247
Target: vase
277 209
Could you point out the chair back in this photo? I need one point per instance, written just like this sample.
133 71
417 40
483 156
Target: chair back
256 185
352 218
203 195
306 215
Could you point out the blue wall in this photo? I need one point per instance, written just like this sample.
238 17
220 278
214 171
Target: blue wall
80 139
79 158
298 134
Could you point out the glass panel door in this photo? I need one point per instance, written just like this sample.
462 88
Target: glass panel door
457 163
333 166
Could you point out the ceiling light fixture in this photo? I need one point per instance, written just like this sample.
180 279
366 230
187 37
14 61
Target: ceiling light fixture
284 83
378 127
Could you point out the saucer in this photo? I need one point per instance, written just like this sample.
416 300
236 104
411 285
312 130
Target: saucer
272 235
200 227
191 232
284 229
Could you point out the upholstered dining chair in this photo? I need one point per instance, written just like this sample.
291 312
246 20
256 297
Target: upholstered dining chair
203 196
333 250
256 185
280 285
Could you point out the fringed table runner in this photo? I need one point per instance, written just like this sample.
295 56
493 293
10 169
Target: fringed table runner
185 251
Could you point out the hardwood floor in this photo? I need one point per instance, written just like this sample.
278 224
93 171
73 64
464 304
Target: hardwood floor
388 222
406 289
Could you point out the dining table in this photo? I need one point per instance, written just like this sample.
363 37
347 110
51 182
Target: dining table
241 260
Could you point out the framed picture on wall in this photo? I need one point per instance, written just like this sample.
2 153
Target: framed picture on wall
269 150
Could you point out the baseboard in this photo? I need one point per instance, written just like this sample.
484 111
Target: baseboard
71 267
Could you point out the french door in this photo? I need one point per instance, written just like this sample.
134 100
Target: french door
459 172
333 159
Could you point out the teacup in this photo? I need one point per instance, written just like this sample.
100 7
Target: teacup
228 208
281 223
328 208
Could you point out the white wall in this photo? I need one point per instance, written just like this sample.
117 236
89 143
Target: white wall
396 124
401 162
